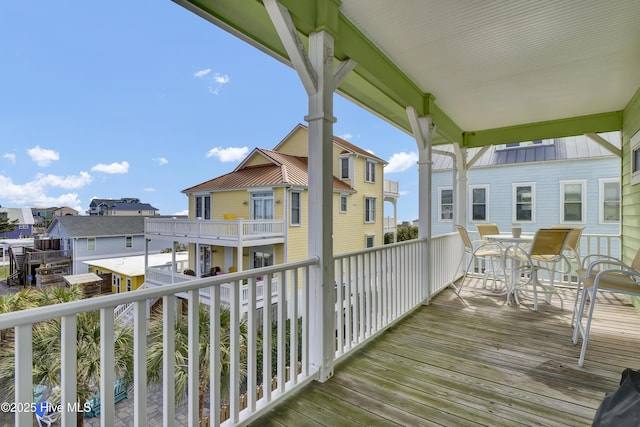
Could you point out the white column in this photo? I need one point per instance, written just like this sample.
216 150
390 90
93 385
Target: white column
460 215
319 79
321 121
422 128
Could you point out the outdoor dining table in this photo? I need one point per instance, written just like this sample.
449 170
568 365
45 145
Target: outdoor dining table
508 239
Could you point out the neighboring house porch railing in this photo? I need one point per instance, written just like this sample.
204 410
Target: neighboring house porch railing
221 231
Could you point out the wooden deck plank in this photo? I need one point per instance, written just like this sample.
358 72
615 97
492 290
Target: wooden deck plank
476 361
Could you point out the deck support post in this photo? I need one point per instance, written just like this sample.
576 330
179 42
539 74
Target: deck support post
317 75
422 128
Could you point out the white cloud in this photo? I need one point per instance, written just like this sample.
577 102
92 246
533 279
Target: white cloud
67 182
214 80
34 193
149 189
10 156
183 213
231 154
42 156
217 81
400 162
202 73
161 160
114 167
346 136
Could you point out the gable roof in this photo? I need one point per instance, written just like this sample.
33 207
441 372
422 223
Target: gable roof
126 206
282 169
23 215
100 226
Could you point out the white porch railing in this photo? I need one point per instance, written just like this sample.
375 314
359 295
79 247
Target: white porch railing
232 230
376 287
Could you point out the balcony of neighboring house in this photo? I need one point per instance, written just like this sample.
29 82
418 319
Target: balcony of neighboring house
391 193
455 359
234 233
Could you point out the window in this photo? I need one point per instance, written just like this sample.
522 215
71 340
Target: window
369 240
479 203
262 205
343 203
295 208
635 158
609 200
344 168
572 201
524 202
91 244
524 144
369 209
445 204
128 242
129 285
370 171
262 258
203 207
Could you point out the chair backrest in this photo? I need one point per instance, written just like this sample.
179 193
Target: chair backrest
465 237
573 240
484 229
549 241
636 261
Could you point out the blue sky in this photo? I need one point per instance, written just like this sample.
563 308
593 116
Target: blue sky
144 99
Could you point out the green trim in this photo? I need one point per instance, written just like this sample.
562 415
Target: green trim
604 122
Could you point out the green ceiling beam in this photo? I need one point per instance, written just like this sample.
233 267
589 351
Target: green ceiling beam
595 123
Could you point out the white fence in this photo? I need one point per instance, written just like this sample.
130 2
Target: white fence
374 288
235 230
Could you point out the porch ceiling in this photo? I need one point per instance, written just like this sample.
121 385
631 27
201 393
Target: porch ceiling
487 72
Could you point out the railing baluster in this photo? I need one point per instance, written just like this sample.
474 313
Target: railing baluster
140 365
193 313
68 368
214 362
168 360
234 356
282 335
107 377
252 351
23 373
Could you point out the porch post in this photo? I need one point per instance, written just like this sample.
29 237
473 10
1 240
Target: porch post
460 214
423 128
316 73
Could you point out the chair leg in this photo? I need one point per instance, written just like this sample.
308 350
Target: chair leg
457 289
578 328
585 336
575 302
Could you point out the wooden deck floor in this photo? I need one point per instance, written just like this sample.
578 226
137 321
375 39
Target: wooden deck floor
480 362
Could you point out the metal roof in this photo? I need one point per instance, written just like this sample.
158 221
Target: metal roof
487 72
100 226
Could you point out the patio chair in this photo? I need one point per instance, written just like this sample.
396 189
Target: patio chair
490 253
46 414
487 229
526 265
604 274
572 246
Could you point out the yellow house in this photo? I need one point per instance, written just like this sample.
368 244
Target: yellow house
257 215
128 273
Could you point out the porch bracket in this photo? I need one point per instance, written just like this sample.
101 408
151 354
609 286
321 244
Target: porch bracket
293 44
604 143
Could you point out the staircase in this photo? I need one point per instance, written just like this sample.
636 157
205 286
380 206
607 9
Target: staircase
124 312
17 256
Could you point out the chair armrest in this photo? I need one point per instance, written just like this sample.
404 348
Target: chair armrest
588 259
608 262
